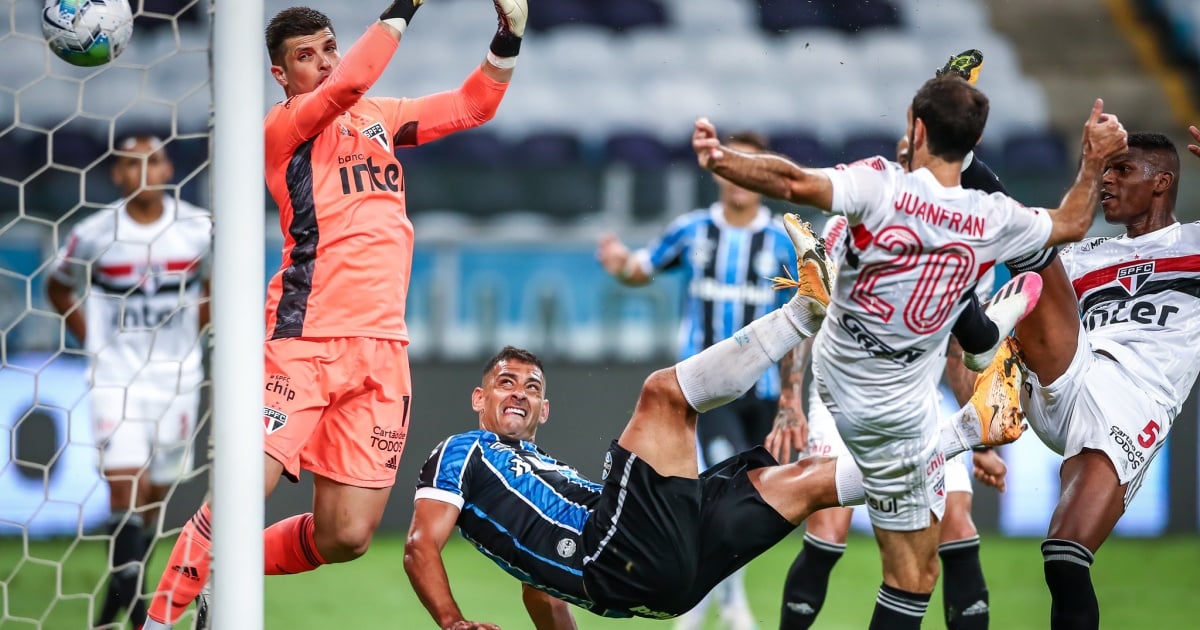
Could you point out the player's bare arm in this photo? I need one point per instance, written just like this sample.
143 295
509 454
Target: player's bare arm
764 173
990 468
790 433
1103 138
620 262
62 298
546 611
432 523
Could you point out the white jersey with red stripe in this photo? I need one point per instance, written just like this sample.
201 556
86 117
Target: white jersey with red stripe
1138 298
142 292
915 248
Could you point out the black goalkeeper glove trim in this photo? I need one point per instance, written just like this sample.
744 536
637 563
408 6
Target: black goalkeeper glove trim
400 10
505 44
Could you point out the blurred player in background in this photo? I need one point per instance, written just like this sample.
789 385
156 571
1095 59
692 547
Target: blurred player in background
728 252
964 590
140 265
337 386
920 242
1111 352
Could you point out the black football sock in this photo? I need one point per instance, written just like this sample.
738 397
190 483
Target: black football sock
807 581
898 610
964 592
1068 567
974 330
127 556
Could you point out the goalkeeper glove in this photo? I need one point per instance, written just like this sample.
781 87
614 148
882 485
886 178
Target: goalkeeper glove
400 13
510 16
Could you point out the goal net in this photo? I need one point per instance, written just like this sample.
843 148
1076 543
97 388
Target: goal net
61 132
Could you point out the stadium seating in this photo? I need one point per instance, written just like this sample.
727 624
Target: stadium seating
618 82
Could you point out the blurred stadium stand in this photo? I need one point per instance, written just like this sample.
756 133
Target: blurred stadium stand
598 86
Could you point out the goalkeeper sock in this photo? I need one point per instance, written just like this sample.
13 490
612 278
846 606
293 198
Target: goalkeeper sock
187 569
288 546
724 371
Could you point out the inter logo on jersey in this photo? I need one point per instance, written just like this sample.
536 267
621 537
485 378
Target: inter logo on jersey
1132 277
376 132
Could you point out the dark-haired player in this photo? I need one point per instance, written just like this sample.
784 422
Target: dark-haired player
337 384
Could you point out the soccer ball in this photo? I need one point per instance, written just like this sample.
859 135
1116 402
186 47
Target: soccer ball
87 32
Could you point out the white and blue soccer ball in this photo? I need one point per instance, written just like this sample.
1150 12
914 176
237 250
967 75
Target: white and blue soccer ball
87 32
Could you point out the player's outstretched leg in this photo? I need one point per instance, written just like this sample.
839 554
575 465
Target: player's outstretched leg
1015 300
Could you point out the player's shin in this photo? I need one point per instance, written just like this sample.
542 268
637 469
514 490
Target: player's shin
724 371
128 552
1068 568
807 582
186 572
964 591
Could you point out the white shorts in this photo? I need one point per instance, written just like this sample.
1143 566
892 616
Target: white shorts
1096 405
140 427
904 477
824 441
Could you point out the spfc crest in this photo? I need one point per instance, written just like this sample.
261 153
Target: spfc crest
273 419
1132 277
378 134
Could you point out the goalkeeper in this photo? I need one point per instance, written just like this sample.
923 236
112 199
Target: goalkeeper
337 383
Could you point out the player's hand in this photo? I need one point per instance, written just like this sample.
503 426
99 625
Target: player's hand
706 144
399 13
511 16
1195 149
612 253
990 468
1104 136
789 435
471 625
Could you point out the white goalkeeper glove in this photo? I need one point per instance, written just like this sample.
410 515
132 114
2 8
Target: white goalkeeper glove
400 13
510 17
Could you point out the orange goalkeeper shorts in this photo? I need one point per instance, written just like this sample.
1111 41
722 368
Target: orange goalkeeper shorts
337 407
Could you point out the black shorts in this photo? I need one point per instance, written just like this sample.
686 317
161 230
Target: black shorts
655 546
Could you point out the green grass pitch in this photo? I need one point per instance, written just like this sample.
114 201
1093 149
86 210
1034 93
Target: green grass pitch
1147 583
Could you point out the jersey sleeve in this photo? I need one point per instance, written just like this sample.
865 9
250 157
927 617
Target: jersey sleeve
861 187
303 116
427 118
979 176
669 249
1025 230
444 476
73 258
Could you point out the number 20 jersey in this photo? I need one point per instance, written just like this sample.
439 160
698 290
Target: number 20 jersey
915 248
143 293
1139 299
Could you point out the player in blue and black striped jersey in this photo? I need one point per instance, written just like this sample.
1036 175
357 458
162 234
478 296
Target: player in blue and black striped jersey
655 536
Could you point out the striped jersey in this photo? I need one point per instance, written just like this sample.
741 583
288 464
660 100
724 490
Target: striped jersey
727 270
914 248
143 292
1140 302
520 507
330 167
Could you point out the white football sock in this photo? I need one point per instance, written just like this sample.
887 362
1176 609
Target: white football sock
961 432
724 371
849 481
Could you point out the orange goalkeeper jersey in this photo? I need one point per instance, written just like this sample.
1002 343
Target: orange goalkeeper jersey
330 166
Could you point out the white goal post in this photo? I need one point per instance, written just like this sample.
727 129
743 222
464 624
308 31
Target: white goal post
237 309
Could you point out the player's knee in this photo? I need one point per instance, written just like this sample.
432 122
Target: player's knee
661 387
347 543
